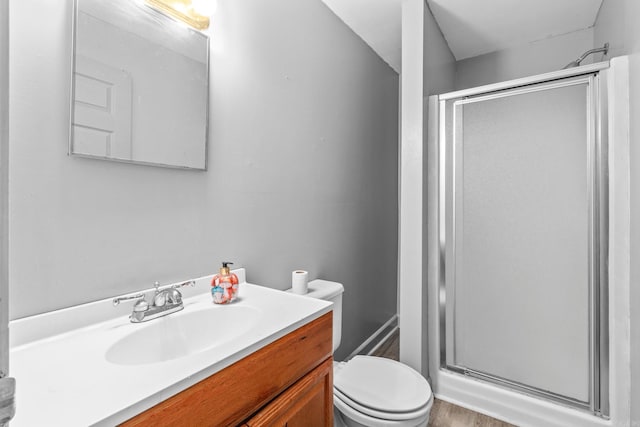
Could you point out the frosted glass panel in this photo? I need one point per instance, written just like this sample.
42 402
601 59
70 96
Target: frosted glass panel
522 223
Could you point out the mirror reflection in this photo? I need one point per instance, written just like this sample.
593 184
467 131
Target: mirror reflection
140 86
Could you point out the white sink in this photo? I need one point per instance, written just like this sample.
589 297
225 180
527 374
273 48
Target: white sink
113 369
182 334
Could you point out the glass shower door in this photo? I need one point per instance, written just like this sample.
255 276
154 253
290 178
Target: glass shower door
524 252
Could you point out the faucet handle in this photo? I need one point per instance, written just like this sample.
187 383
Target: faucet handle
118 300
191 283
174 296
140 305
160 297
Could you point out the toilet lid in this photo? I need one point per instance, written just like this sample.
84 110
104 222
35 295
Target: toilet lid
382 384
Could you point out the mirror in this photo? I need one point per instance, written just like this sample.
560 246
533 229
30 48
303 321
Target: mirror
140 86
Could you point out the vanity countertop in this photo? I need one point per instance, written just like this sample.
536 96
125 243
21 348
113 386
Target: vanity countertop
64 377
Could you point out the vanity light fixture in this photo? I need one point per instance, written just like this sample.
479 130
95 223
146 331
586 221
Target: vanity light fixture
194 13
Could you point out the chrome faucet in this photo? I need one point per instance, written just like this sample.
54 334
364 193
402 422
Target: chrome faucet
165 301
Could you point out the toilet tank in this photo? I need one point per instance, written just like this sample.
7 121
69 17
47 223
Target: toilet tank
330 291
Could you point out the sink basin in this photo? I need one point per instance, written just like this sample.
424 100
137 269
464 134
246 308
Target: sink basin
182 334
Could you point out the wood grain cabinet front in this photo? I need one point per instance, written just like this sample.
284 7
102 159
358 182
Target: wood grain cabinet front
308 403
286 383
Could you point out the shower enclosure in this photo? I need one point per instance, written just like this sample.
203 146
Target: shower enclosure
523 237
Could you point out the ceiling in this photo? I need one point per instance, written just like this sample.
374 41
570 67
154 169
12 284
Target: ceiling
470 27
377 22
473 28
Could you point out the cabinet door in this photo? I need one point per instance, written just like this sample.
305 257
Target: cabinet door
307 403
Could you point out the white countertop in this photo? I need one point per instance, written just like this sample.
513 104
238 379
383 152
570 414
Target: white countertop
64 379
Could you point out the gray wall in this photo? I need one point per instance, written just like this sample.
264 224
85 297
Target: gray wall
619 24
539 57
634 97
4 184
302 169
439 68
427 66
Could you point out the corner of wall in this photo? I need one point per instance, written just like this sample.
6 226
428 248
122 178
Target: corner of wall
608 29
410 279
4 186
428 67
439 62
628 17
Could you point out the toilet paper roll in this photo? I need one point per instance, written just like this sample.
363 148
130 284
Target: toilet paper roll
299 282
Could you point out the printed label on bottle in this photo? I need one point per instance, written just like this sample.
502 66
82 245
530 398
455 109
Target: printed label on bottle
218 295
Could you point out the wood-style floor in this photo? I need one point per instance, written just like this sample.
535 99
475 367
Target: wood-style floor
443 414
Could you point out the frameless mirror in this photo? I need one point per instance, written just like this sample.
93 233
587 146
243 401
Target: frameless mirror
140 86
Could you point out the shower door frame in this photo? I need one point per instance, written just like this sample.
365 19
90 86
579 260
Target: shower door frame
598 402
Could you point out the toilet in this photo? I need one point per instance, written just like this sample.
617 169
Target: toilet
372 391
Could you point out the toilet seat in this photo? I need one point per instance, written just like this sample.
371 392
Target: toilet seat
382 388
369 421
390 416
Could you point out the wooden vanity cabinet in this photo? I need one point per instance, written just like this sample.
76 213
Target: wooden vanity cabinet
287 383
307 403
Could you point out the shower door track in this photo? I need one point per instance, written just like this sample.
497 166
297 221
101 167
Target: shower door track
513 385
598 403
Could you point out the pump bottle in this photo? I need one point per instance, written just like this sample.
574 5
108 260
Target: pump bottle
224 285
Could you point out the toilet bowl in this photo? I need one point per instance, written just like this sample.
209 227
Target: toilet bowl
375 392
372 391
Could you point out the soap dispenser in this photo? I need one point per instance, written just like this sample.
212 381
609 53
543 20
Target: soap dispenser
224 285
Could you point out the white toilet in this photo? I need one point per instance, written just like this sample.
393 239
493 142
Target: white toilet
372 391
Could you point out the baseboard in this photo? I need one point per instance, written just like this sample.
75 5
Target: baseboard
376 339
